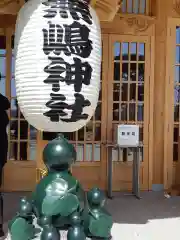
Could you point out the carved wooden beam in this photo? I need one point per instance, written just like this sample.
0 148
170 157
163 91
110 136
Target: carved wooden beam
9 7
176 6
138 22
4 3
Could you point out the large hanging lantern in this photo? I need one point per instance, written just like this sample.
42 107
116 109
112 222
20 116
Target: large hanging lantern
57 63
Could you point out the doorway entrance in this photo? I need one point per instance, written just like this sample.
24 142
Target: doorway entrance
129 102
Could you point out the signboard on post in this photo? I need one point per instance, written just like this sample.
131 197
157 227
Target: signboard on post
128 135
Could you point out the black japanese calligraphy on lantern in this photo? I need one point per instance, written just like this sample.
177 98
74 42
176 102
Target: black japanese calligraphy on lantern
58 106
76 40
72 39
53 38
78 73
77 9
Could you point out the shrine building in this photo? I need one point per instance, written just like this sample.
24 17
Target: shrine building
140 84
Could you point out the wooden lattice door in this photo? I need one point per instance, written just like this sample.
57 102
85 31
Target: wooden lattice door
129 102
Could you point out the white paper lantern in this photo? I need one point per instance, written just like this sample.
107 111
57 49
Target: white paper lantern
57 63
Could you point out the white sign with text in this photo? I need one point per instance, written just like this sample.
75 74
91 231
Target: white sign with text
128 135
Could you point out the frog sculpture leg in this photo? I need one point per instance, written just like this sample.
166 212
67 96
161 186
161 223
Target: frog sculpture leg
97 221
23 220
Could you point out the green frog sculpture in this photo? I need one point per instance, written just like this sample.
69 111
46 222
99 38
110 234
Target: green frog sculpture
58 194
59 202
23 220
97 221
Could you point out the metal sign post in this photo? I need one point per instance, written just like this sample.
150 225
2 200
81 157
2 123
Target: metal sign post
136 173
127 136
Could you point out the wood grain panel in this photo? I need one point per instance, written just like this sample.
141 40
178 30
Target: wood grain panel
19 176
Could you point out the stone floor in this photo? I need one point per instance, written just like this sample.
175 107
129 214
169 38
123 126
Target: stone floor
154 217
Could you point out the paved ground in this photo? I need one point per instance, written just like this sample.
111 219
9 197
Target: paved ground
154 217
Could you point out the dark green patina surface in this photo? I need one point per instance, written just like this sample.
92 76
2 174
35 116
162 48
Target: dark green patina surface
59 202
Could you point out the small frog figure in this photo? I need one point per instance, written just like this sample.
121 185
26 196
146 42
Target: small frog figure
76 231
23 220
97 221
58 194
49 232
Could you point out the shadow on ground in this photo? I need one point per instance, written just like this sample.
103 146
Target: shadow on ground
124 209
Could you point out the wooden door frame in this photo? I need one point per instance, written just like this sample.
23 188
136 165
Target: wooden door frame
151 107
149 96
104 111
169 165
